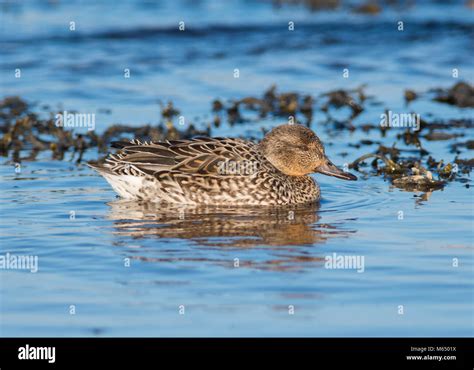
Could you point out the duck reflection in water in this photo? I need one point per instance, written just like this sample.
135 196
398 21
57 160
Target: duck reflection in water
289 234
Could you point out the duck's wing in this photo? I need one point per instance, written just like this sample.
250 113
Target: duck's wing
203 156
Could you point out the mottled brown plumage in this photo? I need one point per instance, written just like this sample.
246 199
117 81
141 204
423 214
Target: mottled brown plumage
222 171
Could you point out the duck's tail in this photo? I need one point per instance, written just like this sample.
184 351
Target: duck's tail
100 168
126 186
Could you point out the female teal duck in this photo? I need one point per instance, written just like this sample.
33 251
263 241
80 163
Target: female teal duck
222 171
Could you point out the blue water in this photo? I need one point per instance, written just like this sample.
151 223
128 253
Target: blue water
186 257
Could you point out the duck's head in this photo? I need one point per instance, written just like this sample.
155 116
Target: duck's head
295 150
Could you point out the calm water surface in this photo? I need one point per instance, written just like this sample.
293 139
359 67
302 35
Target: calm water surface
186 256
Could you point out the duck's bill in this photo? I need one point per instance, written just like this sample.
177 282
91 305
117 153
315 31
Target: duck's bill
330 169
